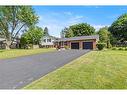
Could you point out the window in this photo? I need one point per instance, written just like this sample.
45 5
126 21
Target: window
44 40
48 40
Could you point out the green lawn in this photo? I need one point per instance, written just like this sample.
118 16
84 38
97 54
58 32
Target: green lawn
21 52
95 70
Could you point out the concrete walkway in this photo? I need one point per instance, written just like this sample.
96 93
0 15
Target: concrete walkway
15 73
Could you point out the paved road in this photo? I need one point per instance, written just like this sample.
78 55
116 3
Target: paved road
15 73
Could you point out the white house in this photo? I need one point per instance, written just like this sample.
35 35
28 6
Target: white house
2 43
47 41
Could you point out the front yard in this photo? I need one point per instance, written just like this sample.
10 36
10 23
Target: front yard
95 70
22 52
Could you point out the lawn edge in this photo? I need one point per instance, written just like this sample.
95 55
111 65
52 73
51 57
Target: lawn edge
53 50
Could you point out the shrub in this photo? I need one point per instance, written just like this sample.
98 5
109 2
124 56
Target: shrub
114 48
101 46
126 49
30 46
120 48
66 47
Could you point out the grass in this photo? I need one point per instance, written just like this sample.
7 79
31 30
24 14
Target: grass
95 70
21 52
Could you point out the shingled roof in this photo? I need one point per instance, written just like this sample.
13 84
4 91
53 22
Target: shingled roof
79 38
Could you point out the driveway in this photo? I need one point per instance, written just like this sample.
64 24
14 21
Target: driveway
15 73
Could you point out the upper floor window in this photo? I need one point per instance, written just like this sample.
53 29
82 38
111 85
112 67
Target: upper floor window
44 40
48 40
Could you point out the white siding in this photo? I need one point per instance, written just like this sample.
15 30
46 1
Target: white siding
46 38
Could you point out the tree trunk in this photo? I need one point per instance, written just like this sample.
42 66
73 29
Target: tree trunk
8 44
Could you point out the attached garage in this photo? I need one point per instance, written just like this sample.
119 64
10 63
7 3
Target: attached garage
79 42
75 45
87 45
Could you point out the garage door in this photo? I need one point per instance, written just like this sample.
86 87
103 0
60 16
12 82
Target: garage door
75 45
87 45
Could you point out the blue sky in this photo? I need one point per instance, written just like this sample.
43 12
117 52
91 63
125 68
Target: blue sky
58 17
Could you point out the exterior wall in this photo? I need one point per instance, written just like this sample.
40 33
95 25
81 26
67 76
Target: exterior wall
94 44
49 44
69 44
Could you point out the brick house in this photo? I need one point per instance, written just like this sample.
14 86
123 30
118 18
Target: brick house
80 42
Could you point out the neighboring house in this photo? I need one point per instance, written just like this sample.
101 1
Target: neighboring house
2 43
14 45
47 41
80 42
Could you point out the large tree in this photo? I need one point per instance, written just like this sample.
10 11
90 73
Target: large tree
14 20
32 36
82 29
67 32
104 36
119 28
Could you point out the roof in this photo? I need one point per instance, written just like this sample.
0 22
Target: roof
50 37
79 38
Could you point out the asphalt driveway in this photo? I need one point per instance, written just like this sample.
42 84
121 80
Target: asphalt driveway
15 73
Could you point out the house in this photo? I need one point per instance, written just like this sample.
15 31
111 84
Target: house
47 41
2 43
14 45
80 42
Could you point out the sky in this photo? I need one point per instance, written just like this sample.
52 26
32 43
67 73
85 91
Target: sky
58 17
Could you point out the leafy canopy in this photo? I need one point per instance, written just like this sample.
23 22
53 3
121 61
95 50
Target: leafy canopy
119 28
81 29
32 36
16 19
105 36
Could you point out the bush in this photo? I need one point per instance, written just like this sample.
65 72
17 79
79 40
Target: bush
30 46
101 46
126 49
114 48
120 48
66 47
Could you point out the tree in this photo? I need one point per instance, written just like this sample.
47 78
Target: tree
104 36
46 31
14 20
82 29
67 32
119 28
62 34
32 36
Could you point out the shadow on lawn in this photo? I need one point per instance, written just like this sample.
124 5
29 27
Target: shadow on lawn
1 51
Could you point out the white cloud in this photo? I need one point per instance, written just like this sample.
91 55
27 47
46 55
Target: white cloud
113 16
97 27
123 9
75 19
68 13
40 17
96 7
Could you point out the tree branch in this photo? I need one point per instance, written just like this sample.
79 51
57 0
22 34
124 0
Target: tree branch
17 33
